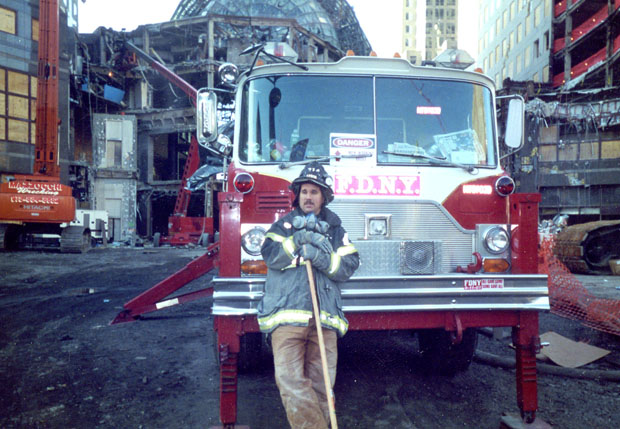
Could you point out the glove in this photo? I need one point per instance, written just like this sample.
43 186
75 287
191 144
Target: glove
302 237
299 222
311 222
321 242
319 259
322 227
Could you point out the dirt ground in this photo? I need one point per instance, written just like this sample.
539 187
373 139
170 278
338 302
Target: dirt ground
63 366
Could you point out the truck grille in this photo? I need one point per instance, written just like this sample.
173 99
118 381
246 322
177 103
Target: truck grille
272 201
425 239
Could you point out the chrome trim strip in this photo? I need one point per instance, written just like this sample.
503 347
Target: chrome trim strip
447 291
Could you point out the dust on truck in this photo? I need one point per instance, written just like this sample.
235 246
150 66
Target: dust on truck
445 244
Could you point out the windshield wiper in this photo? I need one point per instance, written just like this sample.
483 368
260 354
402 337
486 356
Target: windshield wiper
434 160
321 159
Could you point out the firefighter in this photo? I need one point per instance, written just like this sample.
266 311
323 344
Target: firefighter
310 232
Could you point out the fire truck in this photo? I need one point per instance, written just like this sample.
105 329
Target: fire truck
446 245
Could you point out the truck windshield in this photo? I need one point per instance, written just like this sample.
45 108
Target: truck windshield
394 120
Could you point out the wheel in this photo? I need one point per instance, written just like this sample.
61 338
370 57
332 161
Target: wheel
156 238
442 357
75 239
9 235
254 351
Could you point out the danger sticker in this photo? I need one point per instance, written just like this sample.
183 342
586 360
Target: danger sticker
479 284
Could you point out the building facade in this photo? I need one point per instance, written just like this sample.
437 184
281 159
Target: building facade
434 23
563 43
410 49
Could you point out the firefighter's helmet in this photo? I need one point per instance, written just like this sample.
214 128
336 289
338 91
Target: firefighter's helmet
313 173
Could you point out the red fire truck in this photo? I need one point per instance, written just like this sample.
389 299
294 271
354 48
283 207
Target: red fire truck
445 244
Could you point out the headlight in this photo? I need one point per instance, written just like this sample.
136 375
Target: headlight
496 240
252 240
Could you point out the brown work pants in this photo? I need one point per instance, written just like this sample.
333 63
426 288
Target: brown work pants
299 374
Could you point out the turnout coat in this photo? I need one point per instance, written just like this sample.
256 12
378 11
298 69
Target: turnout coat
287 299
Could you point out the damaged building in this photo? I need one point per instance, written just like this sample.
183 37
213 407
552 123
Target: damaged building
126 127
564 58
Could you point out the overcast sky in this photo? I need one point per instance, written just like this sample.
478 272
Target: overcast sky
380 20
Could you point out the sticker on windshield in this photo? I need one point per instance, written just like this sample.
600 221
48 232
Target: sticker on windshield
428 110
357 149
479 284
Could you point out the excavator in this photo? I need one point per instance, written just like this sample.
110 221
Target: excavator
37 206
588 247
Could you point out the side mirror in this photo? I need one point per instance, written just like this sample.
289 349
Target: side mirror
514 123
206 117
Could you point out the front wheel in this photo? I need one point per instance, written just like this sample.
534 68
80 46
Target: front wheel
442 357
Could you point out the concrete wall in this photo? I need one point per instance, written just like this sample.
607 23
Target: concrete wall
115 150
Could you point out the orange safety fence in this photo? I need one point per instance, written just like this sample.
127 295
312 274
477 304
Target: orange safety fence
569 298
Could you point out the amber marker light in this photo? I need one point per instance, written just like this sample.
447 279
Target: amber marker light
495 265
254 267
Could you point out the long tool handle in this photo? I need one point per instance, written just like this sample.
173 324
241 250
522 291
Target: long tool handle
319 331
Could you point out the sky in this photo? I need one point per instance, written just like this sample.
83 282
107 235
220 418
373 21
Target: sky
380 20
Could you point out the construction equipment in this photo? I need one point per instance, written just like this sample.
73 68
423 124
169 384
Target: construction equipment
445 244
33 207
588 247
182 229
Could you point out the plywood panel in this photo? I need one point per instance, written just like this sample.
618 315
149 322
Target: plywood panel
2 104
549 134
589 150
33 109
610 149
18 131
7 20
18 83
2 128
35 30
548 153
568 153
33 86
2 79
33 133
18 107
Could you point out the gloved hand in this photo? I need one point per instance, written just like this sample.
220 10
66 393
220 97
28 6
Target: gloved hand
302 237
321 242
299 222
319 259
322 227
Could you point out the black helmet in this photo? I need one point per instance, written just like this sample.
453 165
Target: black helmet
313 173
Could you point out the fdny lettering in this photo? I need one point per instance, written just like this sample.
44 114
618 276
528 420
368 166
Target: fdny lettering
35 188
378 185
473 284
477 189
353 142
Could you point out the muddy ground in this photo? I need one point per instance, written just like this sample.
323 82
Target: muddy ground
63 366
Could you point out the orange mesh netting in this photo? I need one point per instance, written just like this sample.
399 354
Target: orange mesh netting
569 298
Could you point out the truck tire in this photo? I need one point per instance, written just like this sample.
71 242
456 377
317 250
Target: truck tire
75 239
440 356
254 352
8 237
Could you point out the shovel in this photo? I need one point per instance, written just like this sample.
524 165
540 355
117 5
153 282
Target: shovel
319 331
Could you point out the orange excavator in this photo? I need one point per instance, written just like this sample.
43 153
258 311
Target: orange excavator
38 205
